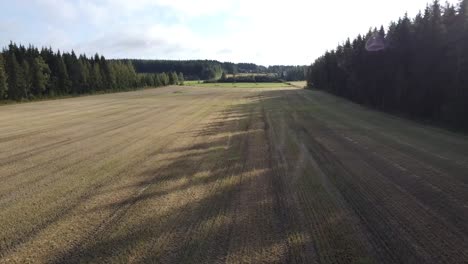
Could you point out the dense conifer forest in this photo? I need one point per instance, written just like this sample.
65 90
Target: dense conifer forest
27 73
422 71
213 70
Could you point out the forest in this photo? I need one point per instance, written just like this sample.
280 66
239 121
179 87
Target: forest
213 70
191 69
30 73
422 72
228 162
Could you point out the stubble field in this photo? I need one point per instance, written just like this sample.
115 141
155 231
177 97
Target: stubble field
216 175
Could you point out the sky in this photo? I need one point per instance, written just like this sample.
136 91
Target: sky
292 32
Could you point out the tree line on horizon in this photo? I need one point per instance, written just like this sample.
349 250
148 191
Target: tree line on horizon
422 72
213 70
191 69
30 73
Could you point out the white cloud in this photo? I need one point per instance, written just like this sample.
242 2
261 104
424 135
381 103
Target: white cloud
58 9
267 32
190 8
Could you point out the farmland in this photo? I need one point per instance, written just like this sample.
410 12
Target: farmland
201 174
237 85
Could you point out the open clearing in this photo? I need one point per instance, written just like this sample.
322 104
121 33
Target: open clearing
298 84
237 85
209 175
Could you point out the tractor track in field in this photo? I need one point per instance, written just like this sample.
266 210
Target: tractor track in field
83 198
225 175
119 211
92 191
106 131
434 228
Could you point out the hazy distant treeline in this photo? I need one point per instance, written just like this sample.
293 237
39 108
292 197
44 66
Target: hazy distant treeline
249 78
213 70
30 73
421 72
289 73
192 70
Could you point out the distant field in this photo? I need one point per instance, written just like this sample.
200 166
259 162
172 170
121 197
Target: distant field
299 84
220 175
249 74
237 85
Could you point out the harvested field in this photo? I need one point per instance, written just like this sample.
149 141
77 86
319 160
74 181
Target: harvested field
239 85
214 175
298 84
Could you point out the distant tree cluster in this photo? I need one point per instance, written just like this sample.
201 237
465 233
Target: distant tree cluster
249 79
289 73
212 70
30 73
192 69
295 73
421 72
160 79
246 68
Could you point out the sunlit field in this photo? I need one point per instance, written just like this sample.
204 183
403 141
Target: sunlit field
237 85
234 131
186 174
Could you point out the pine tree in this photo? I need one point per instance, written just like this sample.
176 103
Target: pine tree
181 78
462 63
16 79
3 79
40 74
108 76
173 79
27 72
27 82
423 70
157 80
74 71
149 81
131 75
63 80
85 81
164 79
95 78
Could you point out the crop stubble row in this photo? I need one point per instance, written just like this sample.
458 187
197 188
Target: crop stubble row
228 175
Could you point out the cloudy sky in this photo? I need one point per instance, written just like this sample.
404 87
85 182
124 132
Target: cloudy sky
263 32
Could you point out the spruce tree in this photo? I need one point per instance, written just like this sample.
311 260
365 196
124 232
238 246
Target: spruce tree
157 80
173 79
40 74
16 79
96 78
74 71
164 79
85 82
108 78
3 79
181 78
63 80
26 73
423 70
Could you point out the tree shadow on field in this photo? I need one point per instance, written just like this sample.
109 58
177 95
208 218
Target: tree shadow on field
235 198
216 201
